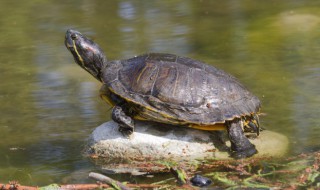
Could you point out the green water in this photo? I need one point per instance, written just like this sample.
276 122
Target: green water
49 106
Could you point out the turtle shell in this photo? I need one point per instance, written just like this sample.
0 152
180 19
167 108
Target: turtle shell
178 90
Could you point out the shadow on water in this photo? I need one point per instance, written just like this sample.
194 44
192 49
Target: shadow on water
49 106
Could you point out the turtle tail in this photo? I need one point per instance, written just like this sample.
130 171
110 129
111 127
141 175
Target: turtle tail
252 124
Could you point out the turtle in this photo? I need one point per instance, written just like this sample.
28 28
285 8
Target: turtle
170 89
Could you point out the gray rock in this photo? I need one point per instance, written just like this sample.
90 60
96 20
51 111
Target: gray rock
151 142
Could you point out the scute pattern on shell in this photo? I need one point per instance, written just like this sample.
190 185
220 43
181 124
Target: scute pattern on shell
184 89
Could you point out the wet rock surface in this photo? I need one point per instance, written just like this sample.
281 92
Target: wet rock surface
154 142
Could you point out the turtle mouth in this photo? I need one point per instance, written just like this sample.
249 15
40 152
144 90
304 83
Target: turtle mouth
68 44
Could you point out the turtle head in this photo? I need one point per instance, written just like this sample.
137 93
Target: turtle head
86 53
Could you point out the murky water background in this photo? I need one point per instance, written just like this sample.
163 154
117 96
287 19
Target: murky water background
49 106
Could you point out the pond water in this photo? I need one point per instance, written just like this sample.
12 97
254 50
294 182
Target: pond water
49 106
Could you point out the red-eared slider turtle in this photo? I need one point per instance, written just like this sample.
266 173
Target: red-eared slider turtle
170 89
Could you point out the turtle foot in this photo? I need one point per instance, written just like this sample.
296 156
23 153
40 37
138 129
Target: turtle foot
245 153
126 123
126 132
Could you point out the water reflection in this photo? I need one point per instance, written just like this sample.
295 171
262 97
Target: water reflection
164 33
127 10
308 98
156 32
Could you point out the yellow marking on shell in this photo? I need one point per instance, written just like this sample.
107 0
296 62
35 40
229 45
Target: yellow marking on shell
138 117
140 74
105 95
175 83
107 99
215 127
75 49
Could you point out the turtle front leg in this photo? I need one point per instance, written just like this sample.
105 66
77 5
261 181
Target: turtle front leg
126 123
241 147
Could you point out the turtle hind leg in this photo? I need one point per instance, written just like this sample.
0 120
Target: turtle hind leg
241 147
126 123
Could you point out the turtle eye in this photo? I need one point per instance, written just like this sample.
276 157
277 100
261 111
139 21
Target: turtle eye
74 36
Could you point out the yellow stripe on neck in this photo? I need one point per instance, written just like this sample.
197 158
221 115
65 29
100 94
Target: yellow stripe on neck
75 49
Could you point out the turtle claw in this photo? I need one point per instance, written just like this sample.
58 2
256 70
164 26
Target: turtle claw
126 132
